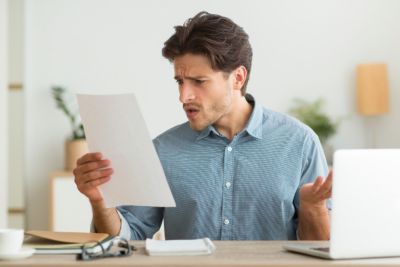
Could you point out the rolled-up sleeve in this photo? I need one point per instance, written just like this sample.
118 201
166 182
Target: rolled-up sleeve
134 228
125 231
139 223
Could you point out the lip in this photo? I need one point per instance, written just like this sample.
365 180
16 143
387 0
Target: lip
191 112
191 115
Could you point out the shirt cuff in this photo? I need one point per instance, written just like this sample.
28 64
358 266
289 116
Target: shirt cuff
124 232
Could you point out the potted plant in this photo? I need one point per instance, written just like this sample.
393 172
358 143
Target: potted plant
75 145
311 114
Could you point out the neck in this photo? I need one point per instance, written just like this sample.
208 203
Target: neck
235 119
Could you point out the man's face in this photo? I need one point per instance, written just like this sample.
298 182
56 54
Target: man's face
206 94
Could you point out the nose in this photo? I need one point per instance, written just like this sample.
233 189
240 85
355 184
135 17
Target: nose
186 93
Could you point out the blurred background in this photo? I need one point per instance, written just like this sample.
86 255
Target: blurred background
336 57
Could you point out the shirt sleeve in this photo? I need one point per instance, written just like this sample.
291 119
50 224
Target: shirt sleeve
313 165
124 232
139 223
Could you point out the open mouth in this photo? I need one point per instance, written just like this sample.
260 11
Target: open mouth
191 111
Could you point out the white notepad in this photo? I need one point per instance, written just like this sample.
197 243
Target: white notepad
202 246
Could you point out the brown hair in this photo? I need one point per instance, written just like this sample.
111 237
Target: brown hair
218 38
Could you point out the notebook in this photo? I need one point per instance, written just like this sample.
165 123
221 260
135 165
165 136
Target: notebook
49 242
202 246
365 212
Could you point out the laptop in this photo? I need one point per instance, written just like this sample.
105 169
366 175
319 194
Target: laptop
365 215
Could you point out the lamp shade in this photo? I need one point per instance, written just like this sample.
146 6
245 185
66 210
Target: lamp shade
372 89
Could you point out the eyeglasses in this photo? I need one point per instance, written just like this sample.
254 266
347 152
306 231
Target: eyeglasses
119 247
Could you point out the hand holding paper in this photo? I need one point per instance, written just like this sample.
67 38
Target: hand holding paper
91 172
115 127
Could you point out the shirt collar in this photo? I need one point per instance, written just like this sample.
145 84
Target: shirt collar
253 127
205 132
254 124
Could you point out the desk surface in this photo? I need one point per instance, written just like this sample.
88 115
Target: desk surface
228 253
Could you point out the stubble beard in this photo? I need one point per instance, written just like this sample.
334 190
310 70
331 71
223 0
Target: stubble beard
212 114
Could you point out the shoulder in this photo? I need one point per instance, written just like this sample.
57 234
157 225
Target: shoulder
298 138
278 119
284 123
175 136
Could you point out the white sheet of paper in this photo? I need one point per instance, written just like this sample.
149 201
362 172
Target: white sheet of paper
115 127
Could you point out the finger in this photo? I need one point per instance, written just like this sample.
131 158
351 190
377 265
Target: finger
317 183
329 194
326 195
94 175
94 165
88 157
95 183
330 175
327 185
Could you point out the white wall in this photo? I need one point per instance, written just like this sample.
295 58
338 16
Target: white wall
3 113
306 49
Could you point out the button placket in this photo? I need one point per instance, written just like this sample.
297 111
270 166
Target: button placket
229 166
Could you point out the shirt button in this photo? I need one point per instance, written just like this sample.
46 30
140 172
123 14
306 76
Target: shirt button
228 184
229 148
226 221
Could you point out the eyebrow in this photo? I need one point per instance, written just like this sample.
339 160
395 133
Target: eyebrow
190 78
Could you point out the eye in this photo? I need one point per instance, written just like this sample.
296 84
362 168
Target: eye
199 82
179 82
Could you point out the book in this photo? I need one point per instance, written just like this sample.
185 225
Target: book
202 246
49 242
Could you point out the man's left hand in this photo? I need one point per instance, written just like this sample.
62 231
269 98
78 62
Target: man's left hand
315 194
313 212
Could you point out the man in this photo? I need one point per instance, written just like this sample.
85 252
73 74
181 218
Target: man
237 171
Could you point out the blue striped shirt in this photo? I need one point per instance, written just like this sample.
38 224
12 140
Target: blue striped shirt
246 188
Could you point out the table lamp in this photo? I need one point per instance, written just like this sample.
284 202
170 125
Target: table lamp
372 89
372 93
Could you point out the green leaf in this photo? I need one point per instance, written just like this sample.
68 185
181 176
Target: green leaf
59 95
311 114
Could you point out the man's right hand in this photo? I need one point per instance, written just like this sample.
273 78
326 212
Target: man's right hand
90 172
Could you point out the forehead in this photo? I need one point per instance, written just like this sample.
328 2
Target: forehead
190 64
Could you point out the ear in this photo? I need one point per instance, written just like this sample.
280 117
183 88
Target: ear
239 77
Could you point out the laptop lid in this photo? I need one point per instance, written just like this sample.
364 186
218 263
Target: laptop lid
365 212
